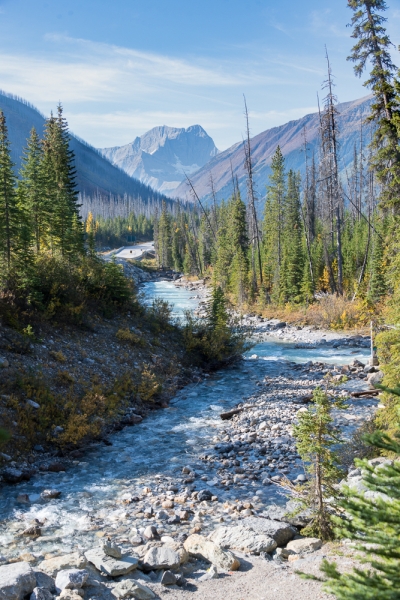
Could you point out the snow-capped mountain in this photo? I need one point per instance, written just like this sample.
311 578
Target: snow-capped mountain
162 156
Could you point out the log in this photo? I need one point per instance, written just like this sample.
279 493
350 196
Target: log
365 394
231 413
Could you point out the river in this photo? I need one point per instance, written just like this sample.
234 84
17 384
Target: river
146 453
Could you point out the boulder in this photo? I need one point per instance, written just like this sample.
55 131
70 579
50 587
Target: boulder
132 589
304 545
50 494
44 581
161 558
71 579
282 533
51 566
200 547
375 378
244 539
168 578
109 565
41 594
16 581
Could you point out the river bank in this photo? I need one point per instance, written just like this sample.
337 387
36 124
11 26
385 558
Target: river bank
186 472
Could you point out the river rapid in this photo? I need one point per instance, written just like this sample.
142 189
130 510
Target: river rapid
150 454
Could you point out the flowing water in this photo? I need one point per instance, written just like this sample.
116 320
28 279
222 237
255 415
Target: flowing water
158 447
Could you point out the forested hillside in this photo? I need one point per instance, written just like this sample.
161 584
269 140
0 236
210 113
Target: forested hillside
299 141
95 174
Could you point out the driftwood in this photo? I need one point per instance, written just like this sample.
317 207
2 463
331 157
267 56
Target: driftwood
231 413
365 394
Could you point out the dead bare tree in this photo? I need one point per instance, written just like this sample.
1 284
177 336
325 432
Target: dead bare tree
251 200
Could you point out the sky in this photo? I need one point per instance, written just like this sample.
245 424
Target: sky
122 67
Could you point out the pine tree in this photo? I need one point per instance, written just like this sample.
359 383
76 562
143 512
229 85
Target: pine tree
373 523
293 259
9 212
239 243
164 238
373 45
377 284
60 172
31 191
273 224
315 437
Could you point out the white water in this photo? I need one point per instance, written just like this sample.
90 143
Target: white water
159 446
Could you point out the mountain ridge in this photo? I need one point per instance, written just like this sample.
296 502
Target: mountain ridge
95 174
164 155
289 137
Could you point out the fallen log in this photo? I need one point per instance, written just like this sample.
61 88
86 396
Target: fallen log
365 394
306 399
231 413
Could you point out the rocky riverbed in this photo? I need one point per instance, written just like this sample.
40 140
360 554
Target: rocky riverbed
189 504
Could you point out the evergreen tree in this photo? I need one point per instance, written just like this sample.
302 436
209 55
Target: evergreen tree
373 522
377 283
273 225
239 242
293 258
373 45
9 212
31 191
315 437
58 164
164 238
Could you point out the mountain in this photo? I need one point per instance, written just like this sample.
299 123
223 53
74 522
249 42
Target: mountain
95 174
290 137
163 155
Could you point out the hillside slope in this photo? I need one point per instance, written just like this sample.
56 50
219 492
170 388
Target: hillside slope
163 155
290 137
95 174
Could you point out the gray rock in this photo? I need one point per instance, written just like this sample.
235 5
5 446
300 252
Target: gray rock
51 566
111 549
41 594
162 515
45 581
161 558
304 545
16 581
200 547
168 578
50 494
151 533
244 539
282 533
211 573
71 579
204 495
132 589
375 378
109 565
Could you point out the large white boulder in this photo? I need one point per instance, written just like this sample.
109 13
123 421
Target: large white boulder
16 581
243 538
200 547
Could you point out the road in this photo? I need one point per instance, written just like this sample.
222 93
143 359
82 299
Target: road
136 252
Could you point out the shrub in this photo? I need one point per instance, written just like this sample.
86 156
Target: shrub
148 387
126 335
58 356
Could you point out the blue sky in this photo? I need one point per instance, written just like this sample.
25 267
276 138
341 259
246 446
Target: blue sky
125 66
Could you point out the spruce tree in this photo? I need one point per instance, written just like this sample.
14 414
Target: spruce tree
62 196
377 284
315 439
164 238
293 258
9 212
373 45
273 225
31 191
373 522
239 244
